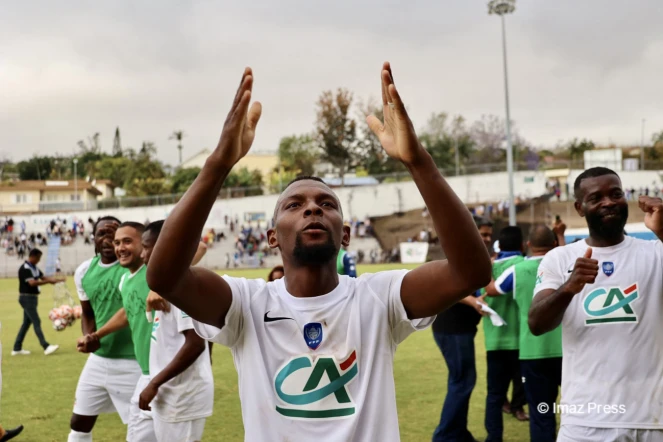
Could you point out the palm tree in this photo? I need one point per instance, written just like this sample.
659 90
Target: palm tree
178 135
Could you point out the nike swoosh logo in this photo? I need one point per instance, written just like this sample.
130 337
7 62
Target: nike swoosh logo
268 319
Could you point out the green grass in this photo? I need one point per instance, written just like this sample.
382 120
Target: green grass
38 391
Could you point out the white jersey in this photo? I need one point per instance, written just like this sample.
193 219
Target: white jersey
190 395
317 368
612 335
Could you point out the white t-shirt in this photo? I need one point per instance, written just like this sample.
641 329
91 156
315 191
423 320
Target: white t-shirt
317 368
190 395
612 335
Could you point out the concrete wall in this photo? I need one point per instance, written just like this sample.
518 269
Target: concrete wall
359 202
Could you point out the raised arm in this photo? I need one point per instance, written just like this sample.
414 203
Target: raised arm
549 305
203 294
200 252
653 208
432 287
558 229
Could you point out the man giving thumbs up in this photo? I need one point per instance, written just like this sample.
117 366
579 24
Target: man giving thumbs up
607 293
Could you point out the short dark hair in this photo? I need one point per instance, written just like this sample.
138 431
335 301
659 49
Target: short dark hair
270 277
306 177
542 236
104 218
511 239
483 222
302 178
35 252
154 228
590 173
139 227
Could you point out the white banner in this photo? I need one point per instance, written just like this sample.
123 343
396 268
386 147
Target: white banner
414 252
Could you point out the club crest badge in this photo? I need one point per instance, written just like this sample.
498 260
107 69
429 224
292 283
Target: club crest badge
608 268
313 335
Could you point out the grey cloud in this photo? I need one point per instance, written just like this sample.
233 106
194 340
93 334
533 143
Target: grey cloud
587 68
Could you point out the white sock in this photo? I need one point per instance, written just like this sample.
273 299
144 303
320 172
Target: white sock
77 436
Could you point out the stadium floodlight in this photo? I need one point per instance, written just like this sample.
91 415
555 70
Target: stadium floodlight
642 146
76 178
501 8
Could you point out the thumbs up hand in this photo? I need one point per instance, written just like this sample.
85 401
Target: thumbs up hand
584 272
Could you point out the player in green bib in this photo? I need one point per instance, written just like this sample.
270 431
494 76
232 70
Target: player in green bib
502 341
134 291
540 356
134 296
111 372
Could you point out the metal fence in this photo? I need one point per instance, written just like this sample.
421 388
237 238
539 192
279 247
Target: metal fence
67 206
241 192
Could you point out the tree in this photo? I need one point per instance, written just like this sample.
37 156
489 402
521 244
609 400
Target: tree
437 143
117 143
36 168
489 134
93 144
183 178
86 164
7 169
178 135
336 131
243 182
374 160
576 149
146 176
655 152
462 140
277 182
116 169
243 178
441 138
298 154
657 139
62 167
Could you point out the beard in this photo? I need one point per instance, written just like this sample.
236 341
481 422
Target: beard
610 228
314 255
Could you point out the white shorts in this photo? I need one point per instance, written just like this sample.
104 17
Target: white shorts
186 431
141 425
577 433
106 386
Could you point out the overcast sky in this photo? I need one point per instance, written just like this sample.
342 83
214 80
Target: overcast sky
590 68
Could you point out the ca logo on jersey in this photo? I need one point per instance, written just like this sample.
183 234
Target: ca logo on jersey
610 304
316 390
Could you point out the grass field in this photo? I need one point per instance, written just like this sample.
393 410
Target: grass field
38 390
